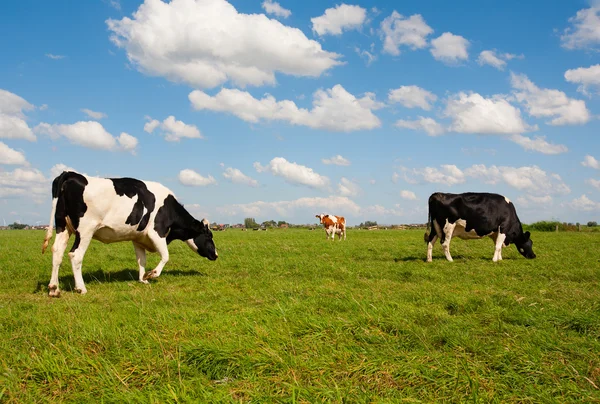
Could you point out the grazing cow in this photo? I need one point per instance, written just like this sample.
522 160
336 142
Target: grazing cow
119 209
333 225
475 215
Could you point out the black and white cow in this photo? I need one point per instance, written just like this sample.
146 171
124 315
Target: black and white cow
475 215
119 209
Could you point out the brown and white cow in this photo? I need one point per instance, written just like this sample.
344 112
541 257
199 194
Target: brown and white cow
333 225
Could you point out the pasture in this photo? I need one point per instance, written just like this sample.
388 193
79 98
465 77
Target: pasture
284 316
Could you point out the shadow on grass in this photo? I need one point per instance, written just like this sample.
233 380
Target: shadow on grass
125 275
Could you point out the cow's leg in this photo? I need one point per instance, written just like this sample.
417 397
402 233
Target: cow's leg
161 246
140 254
82 242
448 230
499 242
58 251
344 233
430 245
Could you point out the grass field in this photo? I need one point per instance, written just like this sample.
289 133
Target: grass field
284 316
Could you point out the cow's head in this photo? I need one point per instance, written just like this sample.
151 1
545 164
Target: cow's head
525 245
320 217
203 243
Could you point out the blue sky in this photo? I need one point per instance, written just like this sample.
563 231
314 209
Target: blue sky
283 110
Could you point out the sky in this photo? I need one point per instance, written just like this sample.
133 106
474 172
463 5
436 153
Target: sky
284 110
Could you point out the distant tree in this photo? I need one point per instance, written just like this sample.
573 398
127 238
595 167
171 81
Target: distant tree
369 223
279 223
592 224
250 223
269 223
17 226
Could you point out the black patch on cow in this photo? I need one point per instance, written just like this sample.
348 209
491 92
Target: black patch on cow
77 241
68 187
174 222
131 187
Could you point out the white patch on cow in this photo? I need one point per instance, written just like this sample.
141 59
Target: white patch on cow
192 245
460 231
507 200
332 218
499 243
205 222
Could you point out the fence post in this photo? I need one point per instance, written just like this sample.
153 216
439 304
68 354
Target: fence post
557 228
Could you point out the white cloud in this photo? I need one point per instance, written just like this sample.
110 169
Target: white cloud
593 182
585 30
293 173
89 134
94 114
273 7
193 179
591 162
24 182
10 156
538 144
528 201
583 203
530 179
334 109
380 211
494 59
397 31
173 130
116 4
341 205
12 117
408 195
341 18
449 48
336 160
368 56
412 97
472 113
57 169
207 43
348 188
449 174
237 177
55 57
587 77
542 102
428 125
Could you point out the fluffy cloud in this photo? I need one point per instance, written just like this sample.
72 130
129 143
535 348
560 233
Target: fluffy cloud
593 182
449 48
337 161
472 113
412 97
341 18
587 77
584 203
94 114
428 125
348 188
531 179
449 174
584 32
334 109
272 7
293 173
173 130
54 57
89 134
397 31
408 195
494 59
24 182
207 43
237 177
528 201
12 117
591 162
538 144
57 169
11 157
193 179
542 102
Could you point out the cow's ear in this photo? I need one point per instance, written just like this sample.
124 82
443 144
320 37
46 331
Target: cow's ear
527 235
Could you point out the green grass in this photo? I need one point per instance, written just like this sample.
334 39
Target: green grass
284 316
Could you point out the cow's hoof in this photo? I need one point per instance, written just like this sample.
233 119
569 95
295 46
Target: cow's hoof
429 260
150 275
144 281
53 291
81 291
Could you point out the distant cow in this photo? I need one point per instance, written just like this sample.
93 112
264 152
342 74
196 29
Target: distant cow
333 225
119 209
475 215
